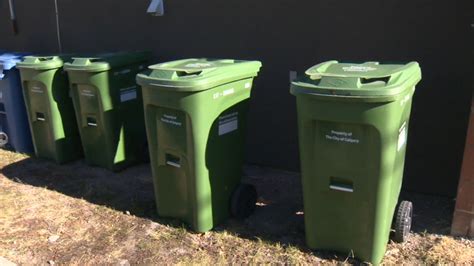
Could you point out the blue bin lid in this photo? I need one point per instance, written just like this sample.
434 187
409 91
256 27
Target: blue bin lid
9 60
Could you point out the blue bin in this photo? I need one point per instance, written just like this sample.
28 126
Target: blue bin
14 129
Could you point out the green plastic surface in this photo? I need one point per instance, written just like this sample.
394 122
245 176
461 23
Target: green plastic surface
196 139
50 109
198 74
109 109
104 62
369 81
41 62
352 158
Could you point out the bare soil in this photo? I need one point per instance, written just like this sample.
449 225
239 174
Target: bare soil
76 214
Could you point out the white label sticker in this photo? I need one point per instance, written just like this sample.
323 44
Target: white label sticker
128 94
36 90
223 93
87 93
402 137
228 123
342 136
170 119
198 65
228 92
358 69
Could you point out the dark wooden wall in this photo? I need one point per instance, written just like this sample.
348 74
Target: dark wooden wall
289 35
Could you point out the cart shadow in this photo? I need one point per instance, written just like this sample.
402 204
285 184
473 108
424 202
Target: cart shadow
129 191
278 218
279 215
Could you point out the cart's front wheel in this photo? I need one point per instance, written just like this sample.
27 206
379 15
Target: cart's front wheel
243 201
403 221
3 139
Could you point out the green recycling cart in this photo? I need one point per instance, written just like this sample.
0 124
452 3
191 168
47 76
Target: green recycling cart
50 108
353 124
195 112
109 109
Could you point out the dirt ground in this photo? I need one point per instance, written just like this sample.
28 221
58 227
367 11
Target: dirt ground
76 214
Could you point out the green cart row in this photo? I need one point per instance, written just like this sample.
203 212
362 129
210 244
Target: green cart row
96 103
353 123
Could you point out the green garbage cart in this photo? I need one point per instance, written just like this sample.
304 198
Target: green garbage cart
353 123
195 113
50 109
109 109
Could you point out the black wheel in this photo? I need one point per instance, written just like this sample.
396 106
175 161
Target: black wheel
243 201
403 221
3 139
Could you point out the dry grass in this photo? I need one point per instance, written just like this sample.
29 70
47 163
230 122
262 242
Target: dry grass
446 250
90 233
431 249
39 225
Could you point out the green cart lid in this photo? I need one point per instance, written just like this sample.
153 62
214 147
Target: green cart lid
104 62
40 62
366 80
197 74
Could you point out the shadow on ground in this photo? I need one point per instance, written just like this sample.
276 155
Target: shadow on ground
279 214
128 191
